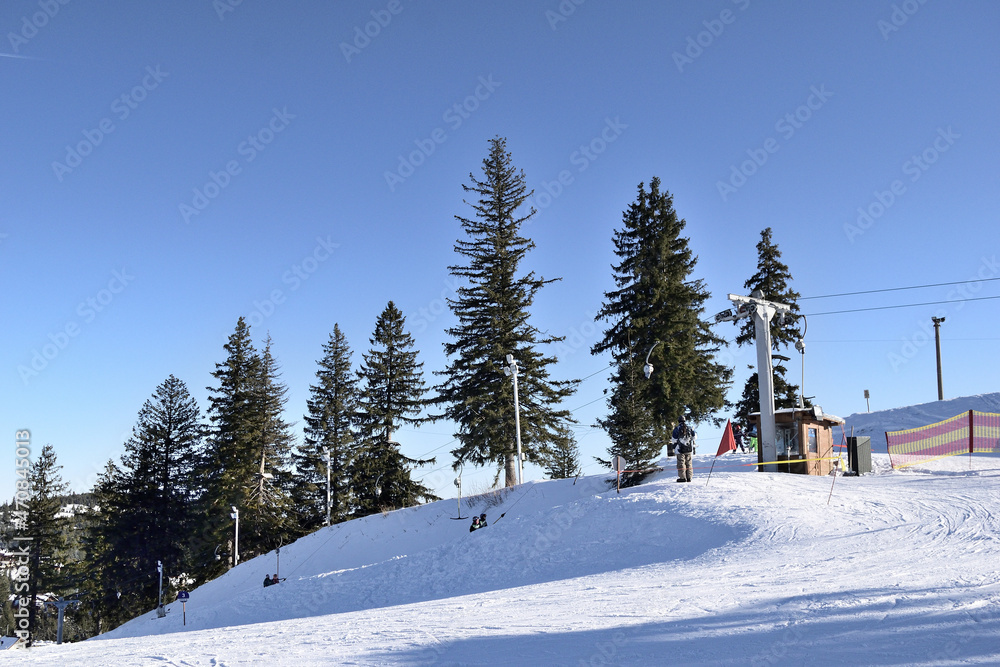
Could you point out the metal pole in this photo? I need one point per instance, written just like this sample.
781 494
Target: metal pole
61 605
762 313
517 423
159 568
236 547
937 343
327 455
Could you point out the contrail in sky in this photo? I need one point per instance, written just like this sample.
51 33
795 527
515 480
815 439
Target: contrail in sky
11 55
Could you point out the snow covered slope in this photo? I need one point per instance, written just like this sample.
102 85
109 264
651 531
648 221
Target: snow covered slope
875 424
747 569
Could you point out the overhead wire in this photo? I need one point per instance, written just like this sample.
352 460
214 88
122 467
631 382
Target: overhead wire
901 305
895 289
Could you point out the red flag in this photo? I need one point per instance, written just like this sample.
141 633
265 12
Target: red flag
728 443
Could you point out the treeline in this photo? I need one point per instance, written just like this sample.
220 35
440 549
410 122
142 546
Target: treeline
170 497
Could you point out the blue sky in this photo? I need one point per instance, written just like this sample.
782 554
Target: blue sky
170 168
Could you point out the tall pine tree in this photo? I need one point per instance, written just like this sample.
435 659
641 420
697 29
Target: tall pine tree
332 410
270 504
43 532
493 309
657 310
773 280
392 390
148 504
248 454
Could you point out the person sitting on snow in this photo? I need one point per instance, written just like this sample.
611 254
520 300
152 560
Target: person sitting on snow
482 520
267 581
475 524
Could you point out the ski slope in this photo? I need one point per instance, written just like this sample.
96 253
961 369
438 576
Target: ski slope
747 569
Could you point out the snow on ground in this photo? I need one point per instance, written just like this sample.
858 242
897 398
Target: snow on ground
875 424
745 569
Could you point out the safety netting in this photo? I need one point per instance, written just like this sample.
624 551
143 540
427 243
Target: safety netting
968 433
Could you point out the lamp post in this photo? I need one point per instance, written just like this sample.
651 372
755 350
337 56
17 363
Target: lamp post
326 457
511 370
937 344
235 516
647 369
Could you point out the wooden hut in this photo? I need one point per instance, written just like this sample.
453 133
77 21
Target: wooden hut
801 433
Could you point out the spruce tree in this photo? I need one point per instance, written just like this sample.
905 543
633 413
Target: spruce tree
773 280
657 311
248 454
562 460
148 503
332 409
630 424
391 394
273 518
493 305
42 531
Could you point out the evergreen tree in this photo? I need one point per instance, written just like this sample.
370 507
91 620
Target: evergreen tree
630 424
42 530
773 282
392 389
562 460
272 515
248 453
493 310
148 504
332 409
657 310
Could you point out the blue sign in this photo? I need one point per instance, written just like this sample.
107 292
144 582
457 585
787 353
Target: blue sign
183 595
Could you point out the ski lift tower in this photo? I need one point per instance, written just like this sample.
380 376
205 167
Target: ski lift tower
762 311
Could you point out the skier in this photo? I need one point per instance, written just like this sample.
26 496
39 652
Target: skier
267 581
738 437
475 525
482 520
684 442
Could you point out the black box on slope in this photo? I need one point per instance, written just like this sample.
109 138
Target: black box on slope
859 454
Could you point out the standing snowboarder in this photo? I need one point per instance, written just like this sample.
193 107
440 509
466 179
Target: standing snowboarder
684 442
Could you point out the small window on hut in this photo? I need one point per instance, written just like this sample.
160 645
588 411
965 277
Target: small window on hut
813 447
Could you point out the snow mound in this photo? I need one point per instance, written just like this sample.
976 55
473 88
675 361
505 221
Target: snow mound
875 424
552 530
